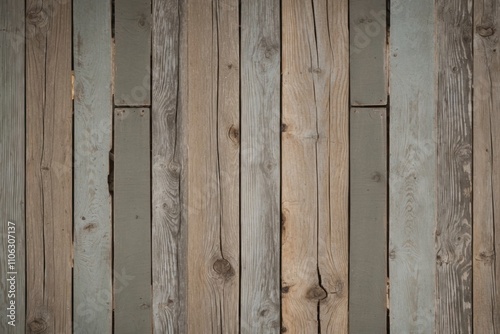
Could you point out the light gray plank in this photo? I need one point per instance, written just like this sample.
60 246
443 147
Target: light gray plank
260 166
368 44
412 173
132 52
12 150
368 221
92 142
132 220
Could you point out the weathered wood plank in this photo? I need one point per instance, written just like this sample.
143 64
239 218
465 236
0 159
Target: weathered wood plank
454 159
92 142
132 220
314 239
412 167
49 126
213 167
486 178
368 221
368 45
12 158
260 166
132 52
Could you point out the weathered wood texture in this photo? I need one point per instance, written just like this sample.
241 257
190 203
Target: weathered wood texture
315 151
49 126
12 150
412 167
454 164
132 220
368 221
213 167
132 54
486 179
368 45
260 166
92 143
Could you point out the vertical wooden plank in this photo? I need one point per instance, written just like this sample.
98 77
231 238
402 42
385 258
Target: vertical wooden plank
132 220
486 269
368 39
315 114
213 167
132 52
12 162
368 217
49 222
454 159
412 170
260 166
92 143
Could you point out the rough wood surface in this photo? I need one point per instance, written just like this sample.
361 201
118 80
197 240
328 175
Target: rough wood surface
260 166
213 167
92 289
12 159
315 151
132 52
412 168
132 220
454 167
486 179
368 45
49 127
368 221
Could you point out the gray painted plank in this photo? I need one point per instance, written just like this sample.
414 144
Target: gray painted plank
368 221
12 150
412 167
368 45
132 220
260 166
92 287
454 166
132 52
486 200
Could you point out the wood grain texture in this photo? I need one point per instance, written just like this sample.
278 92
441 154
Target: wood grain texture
412 168
314 166
368 221
49 126
260 166
213 167
92 143
12 158
368 39
132 53
486 120
454 159
132 220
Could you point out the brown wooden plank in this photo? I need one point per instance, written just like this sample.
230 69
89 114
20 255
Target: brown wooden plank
486 177
49 126
454 159
368 221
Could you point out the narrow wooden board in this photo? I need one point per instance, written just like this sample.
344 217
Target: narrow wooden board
132 53
12 161
368 221
260 166
412 167
314 238
368 45
49 126
213 167
92 291
454 163
132 220
486 178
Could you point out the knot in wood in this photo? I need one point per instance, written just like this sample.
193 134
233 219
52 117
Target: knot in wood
485 31
234 134
223 268
38 325
285 289
174 168
316 292
376 176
